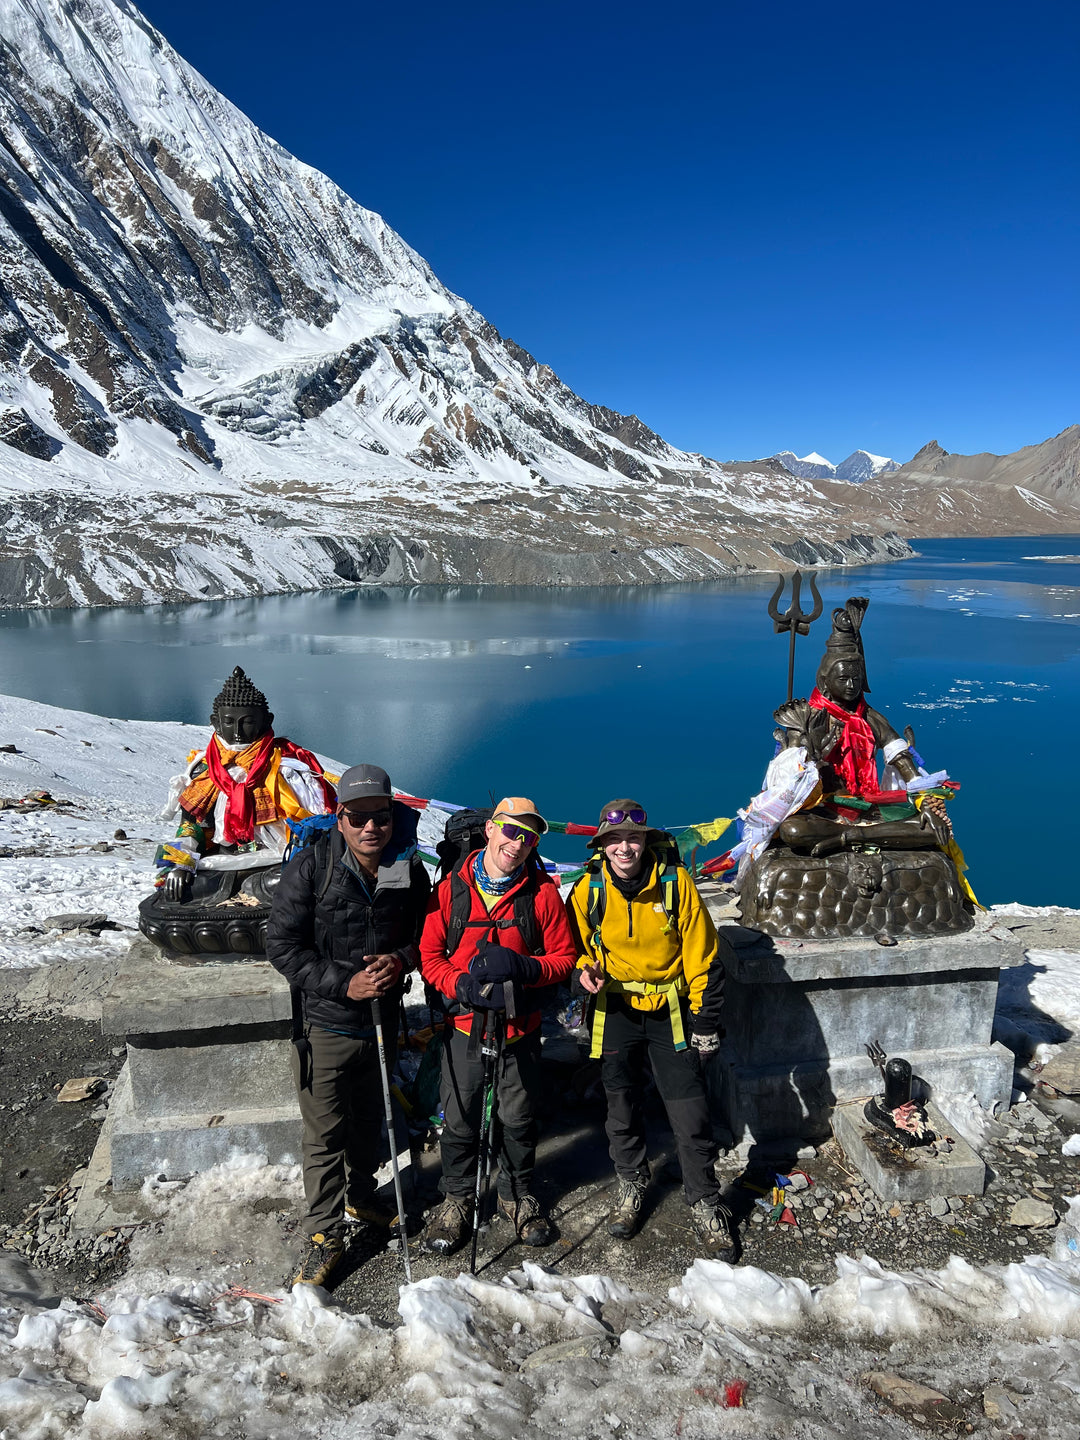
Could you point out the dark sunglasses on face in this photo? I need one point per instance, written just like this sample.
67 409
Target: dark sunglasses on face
616 817
517 833
359 818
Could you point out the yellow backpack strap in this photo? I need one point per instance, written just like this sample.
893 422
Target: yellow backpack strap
596 1049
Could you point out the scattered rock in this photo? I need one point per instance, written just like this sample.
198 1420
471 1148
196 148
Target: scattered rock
81 1089
939 1206
910 1396
78 920
1033 1214
1062 1073
9 750
999 1404
119 835
579 1348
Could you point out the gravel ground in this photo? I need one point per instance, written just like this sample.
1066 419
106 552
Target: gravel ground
46 1148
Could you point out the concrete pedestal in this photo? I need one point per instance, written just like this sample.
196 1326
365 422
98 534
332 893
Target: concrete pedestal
208 1071
799 1014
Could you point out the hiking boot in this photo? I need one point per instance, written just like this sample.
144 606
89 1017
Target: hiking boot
712 1221
528 1219
450 1226
624 1217
320 1257
375 1214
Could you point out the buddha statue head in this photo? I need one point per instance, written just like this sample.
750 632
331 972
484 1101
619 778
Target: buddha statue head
240 715
841 676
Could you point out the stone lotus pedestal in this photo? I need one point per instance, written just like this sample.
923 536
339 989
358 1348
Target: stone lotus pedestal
799 1014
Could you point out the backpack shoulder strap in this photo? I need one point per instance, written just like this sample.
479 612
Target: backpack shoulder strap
460 918
324 863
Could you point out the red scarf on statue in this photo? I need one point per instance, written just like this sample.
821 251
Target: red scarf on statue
853 757
248 802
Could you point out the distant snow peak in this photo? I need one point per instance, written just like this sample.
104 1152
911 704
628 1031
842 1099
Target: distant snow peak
860 465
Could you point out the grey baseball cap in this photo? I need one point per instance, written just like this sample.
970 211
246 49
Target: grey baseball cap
364 782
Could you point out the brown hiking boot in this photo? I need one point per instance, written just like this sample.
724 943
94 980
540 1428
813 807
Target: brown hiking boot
322 1254
624 1217
712 1221
450 1226
528 1219
374 1214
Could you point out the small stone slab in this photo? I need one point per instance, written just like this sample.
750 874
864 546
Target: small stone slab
917 1174
84 1088
1062 1072
1033 1215
88 920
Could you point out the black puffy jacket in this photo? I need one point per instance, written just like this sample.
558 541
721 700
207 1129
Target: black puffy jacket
319 942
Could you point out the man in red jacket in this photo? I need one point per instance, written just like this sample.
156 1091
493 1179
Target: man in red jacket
497 919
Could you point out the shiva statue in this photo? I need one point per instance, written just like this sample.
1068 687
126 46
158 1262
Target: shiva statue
830 848
842 734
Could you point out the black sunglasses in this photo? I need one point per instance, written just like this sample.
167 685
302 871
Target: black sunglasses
359 818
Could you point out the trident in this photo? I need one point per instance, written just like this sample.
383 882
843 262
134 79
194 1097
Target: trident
793 620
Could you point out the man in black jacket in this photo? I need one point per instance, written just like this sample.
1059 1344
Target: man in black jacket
346 919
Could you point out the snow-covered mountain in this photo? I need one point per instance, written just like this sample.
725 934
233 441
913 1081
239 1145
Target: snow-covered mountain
860 465
221 375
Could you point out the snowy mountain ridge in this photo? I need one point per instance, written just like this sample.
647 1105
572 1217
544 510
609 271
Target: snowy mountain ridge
221 375
860 465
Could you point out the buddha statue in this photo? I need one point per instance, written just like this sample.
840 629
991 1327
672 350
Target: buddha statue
235 797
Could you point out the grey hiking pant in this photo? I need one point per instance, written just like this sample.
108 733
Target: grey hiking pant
632 1038
517 1095
342 1116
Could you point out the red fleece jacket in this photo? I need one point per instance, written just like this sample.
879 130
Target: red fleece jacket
557 960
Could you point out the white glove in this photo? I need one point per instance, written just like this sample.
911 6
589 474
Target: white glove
705 1044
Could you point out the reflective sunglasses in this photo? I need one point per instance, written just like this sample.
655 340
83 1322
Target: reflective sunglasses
616 817
359 818
517 833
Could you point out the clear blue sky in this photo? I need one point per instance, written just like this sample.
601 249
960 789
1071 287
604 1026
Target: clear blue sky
819 226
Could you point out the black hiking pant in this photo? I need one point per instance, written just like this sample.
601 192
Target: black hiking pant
342 1116
630 1038
515 1132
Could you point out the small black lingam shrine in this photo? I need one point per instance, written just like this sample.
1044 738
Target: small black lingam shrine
857 853
216 877
894 1112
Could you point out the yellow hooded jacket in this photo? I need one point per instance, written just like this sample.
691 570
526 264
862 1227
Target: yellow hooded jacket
633 944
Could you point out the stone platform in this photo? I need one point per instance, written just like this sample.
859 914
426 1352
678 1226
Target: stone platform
916 1174
207 1075
799 1014
207 1072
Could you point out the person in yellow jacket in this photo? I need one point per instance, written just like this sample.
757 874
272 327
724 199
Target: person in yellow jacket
646 946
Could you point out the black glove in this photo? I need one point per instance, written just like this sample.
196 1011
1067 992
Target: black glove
480 994
498 963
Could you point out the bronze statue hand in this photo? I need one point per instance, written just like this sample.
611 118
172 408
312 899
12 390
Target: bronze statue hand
177 886
937 824
822 733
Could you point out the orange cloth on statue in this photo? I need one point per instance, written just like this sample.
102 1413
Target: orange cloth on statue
272 798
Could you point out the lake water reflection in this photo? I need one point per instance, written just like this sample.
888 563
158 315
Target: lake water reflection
664 692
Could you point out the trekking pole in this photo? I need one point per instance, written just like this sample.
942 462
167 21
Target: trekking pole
489 1049
376 1015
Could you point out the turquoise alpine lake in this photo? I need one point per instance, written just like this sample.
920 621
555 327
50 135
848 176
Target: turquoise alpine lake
663 693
